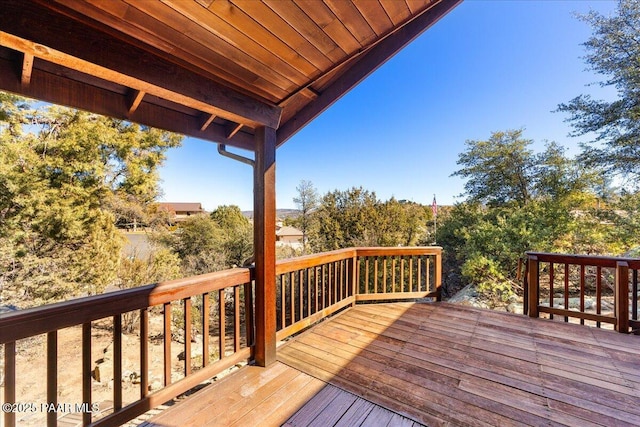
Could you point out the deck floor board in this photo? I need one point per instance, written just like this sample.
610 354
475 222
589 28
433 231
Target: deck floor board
412 364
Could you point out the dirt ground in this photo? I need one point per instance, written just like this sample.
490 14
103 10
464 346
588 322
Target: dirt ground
31 368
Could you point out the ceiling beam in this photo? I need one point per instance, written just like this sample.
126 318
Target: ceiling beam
27 67
85 49
364 65
59 89
134 100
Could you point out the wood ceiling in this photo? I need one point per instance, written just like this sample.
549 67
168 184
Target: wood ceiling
212 69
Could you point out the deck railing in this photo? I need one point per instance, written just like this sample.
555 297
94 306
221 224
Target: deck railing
217 308
595 290
312 287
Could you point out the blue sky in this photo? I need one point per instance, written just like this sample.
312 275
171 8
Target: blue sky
486 66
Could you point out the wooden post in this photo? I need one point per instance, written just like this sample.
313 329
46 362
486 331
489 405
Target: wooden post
622 297
533 276
264 238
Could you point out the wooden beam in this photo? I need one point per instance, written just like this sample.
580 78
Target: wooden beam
135 100
233 128
79 47
364 65
27 67
59 89
264 238
209 118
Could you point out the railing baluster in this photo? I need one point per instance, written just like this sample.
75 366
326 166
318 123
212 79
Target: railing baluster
411 274
329 284
315 279
248 312
323 286
420 274
427 275
385 272
222 322
205 329
355 271
292 298
393 274
117 362
187 335
566 290
283 302
634 298
342 279
551 279
402 275
300 296
582 290
236 318
52 377
86 372
375 275
367 261
10 381
167 343
144 352
598 292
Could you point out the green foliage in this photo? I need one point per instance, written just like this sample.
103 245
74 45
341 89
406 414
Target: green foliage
499 170
355 217
545 204
204 243
237 232
488 276
614 52
60 170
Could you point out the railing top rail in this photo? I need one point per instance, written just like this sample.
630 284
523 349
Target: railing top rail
307 261
400 250
595 260
39 320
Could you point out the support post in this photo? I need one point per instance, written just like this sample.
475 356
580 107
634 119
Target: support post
264 239
534 282
622 297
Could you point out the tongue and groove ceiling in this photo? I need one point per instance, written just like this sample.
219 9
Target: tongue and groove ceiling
211 69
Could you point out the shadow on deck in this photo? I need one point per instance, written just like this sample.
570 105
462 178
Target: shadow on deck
433 364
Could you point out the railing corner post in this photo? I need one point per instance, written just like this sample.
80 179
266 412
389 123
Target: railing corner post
533 297
622 297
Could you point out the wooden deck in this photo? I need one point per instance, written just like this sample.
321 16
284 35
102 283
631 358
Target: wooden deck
430 364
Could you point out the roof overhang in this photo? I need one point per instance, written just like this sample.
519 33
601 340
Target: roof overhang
210 69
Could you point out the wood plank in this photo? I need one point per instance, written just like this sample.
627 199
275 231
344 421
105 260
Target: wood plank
356 414
280 406
211 405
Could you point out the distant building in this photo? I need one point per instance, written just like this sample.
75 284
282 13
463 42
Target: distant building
181 211
288 234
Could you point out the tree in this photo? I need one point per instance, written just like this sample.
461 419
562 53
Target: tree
59 168
612 51
355 217
499 170
237 243
306 202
